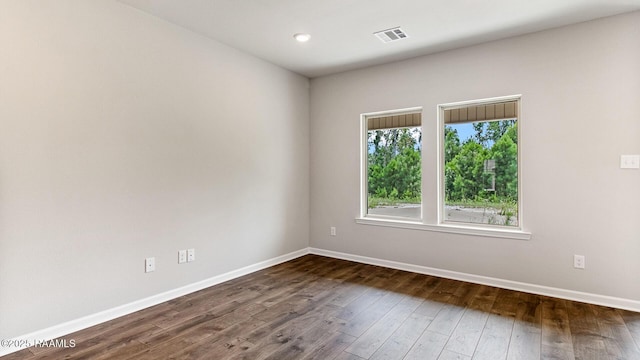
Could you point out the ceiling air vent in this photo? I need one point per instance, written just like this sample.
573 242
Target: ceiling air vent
390 35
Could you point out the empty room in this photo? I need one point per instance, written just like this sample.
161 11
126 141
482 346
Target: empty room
335 179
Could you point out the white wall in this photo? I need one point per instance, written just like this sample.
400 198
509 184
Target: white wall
580 87
124 137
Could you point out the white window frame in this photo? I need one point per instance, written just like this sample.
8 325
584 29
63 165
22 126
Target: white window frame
437 224
441 179
364 171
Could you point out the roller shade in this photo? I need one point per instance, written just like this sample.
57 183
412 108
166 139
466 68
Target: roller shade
497 111
394 121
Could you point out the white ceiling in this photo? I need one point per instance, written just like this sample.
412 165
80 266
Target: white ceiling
342 30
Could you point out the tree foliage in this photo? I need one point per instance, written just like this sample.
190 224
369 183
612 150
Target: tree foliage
394 164
468 174
482 168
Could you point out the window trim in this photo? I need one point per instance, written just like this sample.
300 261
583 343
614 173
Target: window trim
447 228
364 160
440 166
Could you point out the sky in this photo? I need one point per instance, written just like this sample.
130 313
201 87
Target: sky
465 131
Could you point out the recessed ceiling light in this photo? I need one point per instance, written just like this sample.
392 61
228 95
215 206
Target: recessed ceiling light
301 37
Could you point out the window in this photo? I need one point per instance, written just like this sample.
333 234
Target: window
479 155
472 183
392 164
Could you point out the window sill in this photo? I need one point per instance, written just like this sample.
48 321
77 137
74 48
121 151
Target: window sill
447 228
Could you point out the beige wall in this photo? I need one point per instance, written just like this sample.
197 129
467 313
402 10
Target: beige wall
580 87
124 137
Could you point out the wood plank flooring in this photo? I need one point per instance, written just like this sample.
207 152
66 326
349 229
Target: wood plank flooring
315 307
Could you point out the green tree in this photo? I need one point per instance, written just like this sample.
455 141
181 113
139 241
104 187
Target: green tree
488 133
465 173
467 178
480 136
512 132
394 165
451 143
505 154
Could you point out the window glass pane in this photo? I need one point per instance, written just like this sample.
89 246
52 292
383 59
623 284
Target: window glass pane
481 172
394 172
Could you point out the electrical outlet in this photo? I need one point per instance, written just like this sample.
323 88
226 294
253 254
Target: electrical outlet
578 261
149 264
333 231
629 161
191 255
182 256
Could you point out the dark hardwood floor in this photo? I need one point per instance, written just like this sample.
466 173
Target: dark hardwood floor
321 308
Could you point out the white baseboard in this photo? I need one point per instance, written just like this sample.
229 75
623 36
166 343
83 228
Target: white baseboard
110 314
596 299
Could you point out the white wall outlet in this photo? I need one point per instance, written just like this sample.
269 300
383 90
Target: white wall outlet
333 231
191 255
578 261
630 161
149 264
182 256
